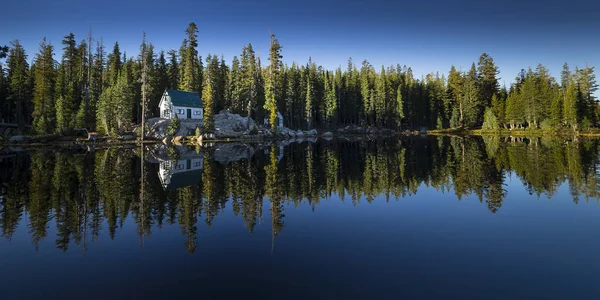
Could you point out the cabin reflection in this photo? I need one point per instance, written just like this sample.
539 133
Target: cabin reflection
176 174
278 152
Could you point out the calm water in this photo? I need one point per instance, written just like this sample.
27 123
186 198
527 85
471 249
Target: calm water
414 217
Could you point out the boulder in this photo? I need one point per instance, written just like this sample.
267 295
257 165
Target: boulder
232 125
267 132
18 139
328 133
128 136
226 153
311 132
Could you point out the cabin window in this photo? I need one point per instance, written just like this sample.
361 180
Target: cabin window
180 111
197 112
180 167
197 164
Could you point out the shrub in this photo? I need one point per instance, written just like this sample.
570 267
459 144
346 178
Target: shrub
585 123
172 154
198 131
490 122
173 127
547 125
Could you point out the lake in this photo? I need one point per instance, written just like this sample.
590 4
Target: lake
408 217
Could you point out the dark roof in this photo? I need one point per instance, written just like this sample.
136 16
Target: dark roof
183 179
183 98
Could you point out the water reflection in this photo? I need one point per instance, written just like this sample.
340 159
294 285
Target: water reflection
80 193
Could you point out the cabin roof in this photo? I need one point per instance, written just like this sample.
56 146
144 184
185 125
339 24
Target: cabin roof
183 98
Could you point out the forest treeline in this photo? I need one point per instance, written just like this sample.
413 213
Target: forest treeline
89 88
93 194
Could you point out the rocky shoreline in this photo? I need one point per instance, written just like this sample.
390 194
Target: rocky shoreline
228 127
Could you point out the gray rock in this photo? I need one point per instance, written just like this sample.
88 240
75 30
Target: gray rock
18 139
328 133
311 132
226 153
128 137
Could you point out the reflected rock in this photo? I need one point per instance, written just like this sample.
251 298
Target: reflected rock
226 153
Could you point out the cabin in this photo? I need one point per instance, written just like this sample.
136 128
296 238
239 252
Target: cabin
278 120
180 173
181 104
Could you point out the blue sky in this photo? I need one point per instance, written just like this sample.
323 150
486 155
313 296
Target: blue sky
429 36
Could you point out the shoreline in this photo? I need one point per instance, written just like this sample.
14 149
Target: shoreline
515 132
66 142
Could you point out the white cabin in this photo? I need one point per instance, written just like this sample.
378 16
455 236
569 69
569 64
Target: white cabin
181 104
179 173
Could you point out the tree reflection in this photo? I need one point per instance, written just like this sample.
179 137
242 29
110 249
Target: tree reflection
90 194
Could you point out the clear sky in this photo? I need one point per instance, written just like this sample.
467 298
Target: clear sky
426 35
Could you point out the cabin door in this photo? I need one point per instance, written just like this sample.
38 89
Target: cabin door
189 113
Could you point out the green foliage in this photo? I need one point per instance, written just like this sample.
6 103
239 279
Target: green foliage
399 106
197 131
173 127
547 124
70 192
90 89
586 123
172 153
190 76
490 122
115 108
44 83
271 91
18 77
209 104
570 109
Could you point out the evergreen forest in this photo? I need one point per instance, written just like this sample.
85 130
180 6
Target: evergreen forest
83 83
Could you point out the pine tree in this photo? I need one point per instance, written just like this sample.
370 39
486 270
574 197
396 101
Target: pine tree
570 112
486 79
330 100
235 87
272 78
209 103
115 109
220 90
190 77
43 97
381 97
514 110
173 70
145 79
499 108
556 110
114 65
455 93
587 85
96 84
68 86
469 104
250 81
18 81
308 106
565 76
399 107
161 82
